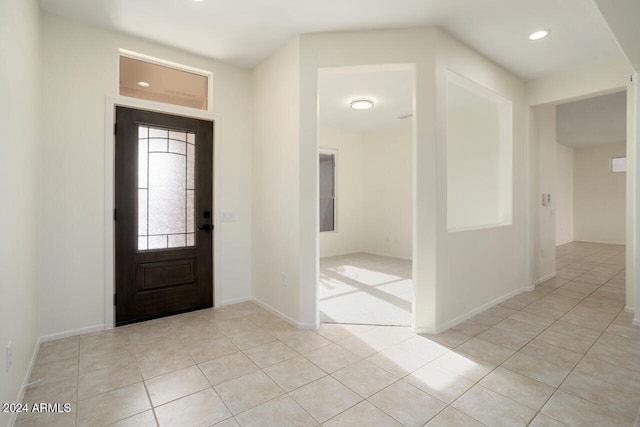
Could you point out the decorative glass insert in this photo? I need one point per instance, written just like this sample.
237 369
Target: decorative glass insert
166 188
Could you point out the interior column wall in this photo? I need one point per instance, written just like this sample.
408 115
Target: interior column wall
481 267
275 199
545 183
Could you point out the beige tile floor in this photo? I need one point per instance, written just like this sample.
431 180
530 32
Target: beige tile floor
563 354
365 289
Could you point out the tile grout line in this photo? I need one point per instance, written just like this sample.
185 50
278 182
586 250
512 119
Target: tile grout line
539 412
536 336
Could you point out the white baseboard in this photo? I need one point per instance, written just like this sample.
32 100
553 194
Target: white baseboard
365 252
20 398
431 331
636 321
447 325
299 325
629 309
72 333
545 278
233 301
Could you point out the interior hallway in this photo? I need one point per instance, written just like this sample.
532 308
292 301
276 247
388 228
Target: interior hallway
563 354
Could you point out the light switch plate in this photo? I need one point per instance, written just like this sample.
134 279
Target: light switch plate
227 216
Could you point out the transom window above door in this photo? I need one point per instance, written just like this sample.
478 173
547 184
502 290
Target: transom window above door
163 81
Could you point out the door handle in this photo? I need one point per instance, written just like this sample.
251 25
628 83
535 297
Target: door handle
206 227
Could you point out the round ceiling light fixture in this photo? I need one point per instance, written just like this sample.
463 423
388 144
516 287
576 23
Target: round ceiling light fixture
540 34
361 104
143 84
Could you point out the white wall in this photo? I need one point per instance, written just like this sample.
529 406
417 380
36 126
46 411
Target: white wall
374 191
275 179
563 197
80 66
600 195
21 214
388 191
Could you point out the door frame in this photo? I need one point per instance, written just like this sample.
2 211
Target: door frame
109 189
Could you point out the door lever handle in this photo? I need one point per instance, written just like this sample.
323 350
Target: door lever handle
206 227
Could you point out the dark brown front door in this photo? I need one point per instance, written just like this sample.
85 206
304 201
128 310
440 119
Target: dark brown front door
163 217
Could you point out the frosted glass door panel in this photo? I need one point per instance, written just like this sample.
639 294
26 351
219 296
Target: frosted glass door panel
166 188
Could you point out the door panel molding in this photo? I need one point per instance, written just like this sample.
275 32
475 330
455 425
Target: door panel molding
164 274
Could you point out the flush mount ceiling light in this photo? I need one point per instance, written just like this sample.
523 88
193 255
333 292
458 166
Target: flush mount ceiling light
143 84
537 35
361 104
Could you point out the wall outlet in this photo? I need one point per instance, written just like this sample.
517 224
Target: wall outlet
283 279
9 355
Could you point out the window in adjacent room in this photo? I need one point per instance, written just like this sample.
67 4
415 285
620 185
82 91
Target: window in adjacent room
156 80
327 191
618 164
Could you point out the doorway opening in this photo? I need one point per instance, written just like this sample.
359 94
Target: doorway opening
591 146
580 199
366 194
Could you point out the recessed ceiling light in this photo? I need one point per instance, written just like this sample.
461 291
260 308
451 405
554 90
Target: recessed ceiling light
537 35
361 104
143 84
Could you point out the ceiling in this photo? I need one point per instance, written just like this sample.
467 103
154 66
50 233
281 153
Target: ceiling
389 87
594 121
245 32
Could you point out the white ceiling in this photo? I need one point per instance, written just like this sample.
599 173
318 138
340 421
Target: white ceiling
245 32
389 87
594 121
